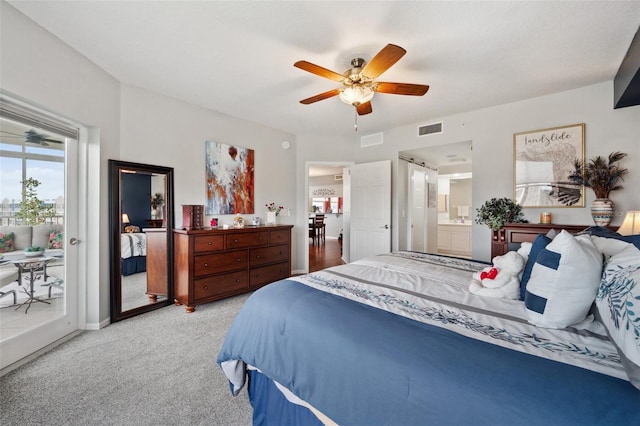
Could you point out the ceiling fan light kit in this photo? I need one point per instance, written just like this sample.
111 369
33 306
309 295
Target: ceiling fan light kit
359 85
356 95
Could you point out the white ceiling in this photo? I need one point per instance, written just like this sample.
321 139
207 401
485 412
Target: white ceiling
237 57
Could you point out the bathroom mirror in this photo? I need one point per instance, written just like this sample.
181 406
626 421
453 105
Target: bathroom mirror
141 238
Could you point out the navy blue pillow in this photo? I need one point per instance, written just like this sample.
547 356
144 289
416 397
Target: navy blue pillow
538 245
600 231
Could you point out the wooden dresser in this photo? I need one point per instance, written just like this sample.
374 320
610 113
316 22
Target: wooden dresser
157 264
211 264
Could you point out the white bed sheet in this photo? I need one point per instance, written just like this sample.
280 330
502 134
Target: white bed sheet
133 244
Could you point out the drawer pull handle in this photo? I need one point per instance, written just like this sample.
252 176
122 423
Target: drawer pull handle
206 287
206 265
235 241
238 260
210 243
238 280
258 257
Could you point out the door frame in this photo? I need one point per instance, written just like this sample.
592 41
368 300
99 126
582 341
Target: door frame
303 217
39 340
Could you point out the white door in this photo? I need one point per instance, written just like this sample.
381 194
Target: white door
418 203
370 232
56 317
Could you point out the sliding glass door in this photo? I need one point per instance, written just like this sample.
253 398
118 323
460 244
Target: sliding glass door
38 223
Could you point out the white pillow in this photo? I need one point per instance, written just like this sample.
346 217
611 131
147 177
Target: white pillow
564 282
618 303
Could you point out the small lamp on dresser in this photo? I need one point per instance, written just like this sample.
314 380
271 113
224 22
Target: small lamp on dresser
125 220
631 223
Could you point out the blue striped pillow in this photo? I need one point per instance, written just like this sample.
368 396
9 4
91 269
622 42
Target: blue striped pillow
564 281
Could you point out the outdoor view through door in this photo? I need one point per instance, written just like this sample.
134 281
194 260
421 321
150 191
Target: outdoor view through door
35 309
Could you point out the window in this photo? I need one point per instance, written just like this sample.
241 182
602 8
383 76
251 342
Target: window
29 152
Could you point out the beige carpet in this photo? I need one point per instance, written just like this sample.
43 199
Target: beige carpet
154 369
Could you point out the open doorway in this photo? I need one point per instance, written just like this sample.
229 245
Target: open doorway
436 217
325 211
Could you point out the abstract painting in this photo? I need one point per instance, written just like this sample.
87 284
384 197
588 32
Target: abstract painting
229 174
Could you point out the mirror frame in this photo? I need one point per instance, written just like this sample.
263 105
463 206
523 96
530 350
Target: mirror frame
115 219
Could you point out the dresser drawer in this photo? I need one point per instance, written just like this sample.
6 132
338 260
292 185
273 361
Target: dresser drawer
282 236
205 288
264 255
208 243
269 274
247 240
206 264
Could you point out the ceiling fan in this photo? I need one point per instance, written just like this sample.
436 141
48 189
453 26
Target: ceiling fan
359 83
31 136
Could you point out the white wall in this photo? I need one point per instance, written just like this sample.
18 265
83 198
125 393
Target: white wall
491 131
160 130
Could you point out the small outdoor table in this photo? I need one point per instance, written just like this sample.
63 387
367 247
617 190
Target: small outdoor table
31 269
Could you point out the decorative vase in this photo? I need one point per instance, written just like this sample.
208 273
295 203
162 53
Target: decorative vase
271 218
602 211
155 213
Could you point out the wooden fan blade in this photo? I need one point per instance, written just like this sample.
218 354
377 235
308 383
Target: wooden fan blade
321 96
364 108
401 88
318 70
388 56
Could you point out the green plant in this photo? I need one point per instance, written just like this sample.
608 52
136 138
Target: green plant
498 211
33 249
600 174
156 200
32 209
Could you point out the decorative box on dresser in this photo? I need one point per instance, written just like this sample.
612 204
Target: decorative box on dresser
211 264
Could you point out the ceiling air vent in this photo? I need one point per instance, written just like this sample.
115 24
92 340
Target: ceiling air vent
430 129
371 140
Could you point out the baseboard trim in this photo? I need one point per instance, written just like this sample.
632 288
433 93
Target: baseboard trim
36 354
97 326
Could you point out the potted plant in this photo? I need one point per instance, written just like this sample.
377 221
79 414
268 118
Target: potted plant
33 251
603 176
32 209
498 211
156 201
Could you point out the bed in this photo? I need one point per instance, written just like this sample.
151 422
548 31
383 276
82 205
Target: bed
399 339
133 248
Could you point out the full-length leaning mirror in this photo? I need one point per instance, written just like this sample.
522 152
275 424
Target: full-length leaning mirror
140 224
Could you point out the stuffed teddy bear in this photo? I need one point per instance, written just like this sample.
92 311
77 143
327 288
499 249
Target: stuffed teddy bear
500 280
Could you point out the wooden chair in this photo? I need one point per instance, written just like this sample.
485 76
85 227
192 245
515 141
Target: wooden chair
319 228
312 230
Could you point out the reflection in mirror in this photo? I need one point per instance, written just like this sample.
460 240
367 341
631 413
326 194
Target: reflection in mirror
141 221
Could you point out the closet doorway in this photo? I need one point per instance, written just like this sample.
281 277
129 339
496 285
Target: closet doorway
438 208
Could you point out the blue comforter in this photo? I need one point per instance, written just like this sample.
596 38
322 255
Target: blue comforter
381 368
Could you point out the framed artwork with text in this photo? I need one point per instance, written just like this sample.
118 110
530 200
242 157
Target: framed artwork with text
543 161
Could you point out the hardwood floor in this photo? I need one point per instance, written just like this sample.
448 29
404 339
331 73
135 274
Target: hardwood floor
324 255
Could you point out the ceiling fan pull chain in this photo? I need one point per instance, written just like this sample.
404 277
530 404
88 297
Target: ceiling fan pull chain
355 120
